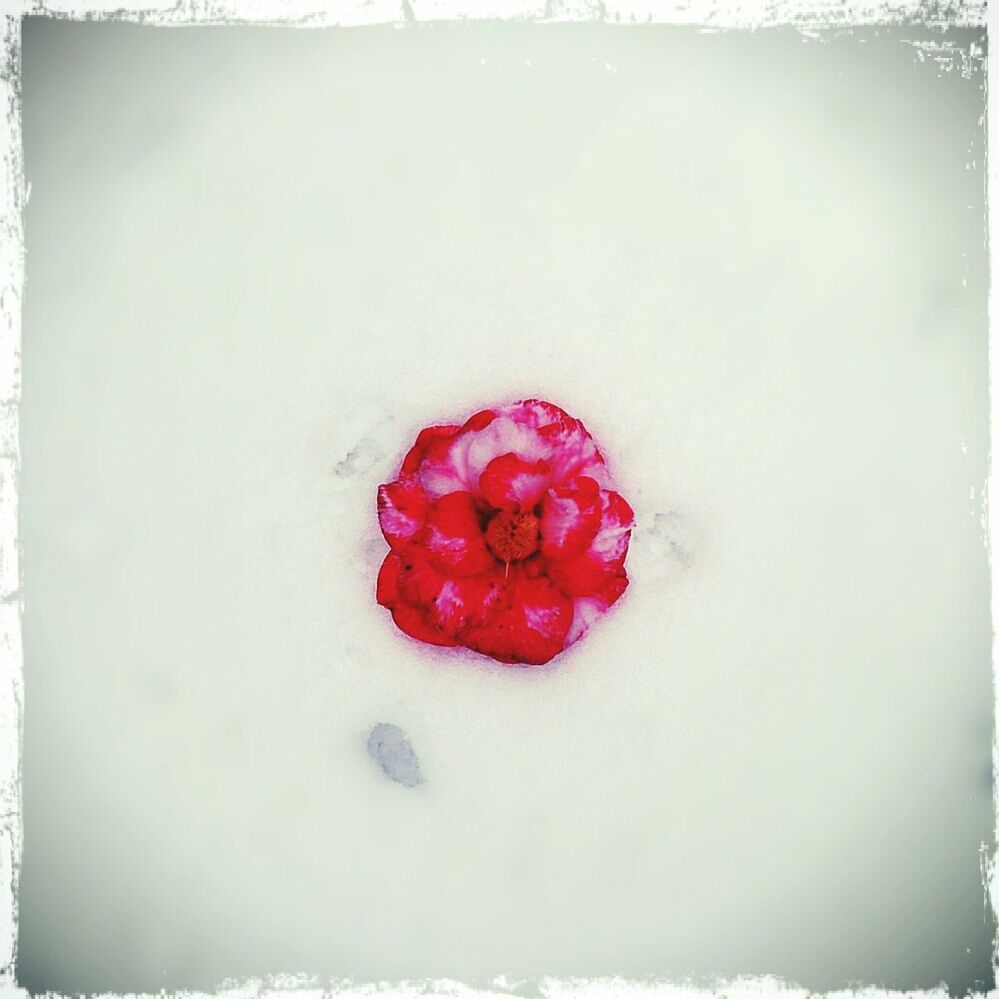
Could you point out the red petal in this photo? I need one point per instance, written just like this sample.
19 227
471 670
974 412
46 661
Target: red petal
387 588
405 583
480 420
587 573
612 591
414 623
509 482
570 517
424 441
580 576
453 536
402 509
464 601
418 581
447 603
530 629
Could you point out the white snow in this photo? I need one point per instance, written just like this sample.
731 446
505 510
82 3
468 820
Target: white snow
260 261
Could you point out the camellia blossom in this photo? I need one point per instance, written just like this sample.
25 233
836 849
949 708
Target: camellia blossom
507 537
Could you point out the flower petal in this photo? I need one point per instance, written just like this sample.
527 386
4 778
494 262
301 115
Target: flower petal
402 510
612 592
538 413
616 521
418 580
571 448
443 469
447 603
573 453
480 420
425 440
387 587
403 575
510 483
570 517
463 601
532 431
413 622
587 610
530 626
453 536
471 451
586 573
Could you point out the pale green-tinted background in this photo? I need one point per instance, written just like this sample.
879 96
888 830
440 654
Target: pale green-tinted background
259 260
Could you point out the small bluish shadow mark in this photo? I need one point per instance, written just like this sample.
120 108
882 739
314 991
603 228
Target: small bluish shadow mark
390 748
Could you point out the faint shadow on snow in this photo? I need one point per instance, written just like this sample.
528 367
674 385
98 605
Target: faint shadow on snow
665 547
390 748
359 446
360 459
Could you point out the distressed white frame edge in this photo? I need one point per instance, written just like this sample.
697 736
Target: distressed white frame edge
808 16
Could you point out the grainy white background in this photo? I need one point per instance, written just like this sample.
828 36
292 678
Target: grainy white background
753 265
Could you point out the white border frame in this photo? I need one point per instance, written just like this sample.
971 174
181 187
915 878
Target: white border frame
808 16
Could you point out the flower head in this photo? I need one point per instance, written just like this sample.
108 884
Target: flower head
506 535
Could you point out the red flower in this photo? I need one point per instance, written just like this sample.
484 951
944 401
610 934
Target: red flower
506 536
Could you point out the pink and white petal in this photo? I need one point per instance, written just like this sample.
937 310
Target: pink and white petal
502 436
440 473
537 413
530 628
570 517
402 510
573 452
425 440
586 611
570 449
532 430
520 430
542 617
440 455
453 536
616 521
587 573
509 482
448 611
445 466
464 601
546 613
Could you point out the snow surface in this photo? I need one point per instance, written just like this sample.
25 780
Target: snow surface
259 261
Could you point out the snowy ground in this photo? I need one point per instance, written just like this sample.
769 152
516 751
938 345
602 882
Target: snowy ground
259 261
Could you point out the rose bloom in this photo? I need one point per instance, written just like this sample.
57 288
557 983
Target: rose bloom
506 535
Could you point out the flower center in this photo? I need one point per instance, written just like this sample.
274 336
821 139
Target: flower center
513 536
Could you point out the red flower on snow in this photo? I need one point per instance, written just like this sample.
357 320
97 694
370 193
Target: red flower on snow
506 536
